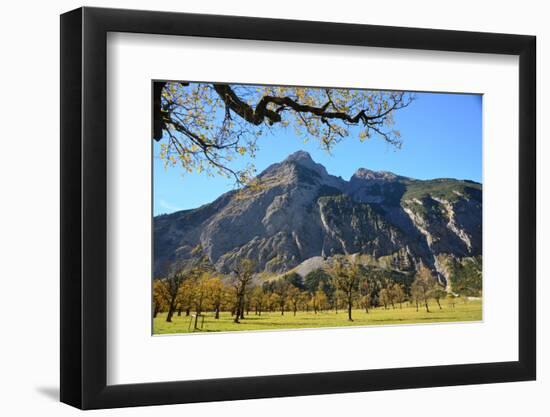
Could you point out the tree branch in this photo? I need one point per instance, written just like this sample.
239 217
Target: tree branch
261 112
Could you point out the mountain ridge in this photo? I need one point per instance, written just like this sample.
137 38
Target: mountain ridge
300 211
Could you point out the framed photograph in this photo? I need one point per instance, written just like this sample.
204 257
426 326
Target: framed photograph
259 208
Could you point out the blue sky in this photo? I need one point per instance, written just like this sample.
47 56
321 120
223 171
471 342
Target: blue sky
441 133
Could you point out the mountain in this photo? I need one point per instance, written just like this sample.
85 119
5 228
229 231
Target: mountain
300 215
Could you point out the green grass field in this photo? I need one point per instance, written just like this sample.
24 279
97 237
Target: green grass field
470 311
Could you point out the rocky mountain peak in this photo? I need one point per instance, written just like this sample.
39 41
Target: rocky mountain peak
300 157
299 167
368 174
304 159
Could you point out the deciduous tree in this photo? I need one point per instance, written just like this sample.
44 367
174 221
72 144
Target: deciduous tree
423 286
242 277
274 300
204 126
282 288
384 297
438 293
347 278
173 282
398 294
258 299
201 292
294 297
216 294
160 296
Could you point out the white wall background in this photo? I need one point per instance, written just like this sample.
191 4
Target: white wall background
29 225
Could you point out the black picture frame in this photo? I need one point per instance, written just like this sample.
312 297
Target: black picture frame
84 207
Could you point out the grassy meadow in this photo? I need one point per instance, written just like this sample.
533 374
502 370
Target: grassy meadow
469 311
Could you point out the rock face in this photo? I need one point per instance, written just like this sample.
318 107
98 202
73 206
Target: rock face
300 212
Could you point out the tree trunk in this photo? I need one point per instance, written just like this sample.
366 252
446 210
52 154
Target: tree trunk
171 309
187 312
349 311
238 310
169 316
217 316
158 125
241 307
